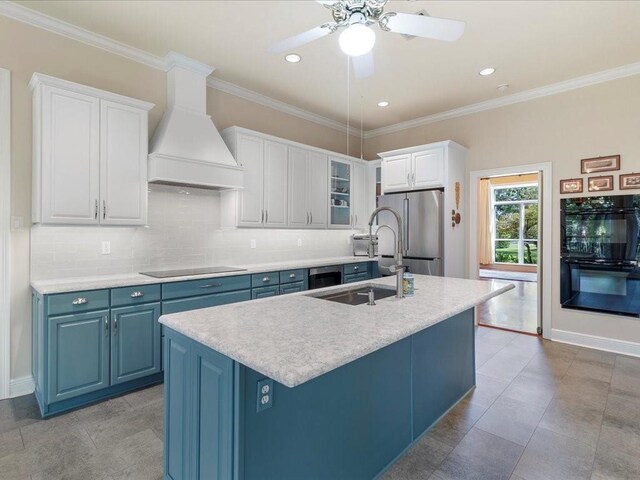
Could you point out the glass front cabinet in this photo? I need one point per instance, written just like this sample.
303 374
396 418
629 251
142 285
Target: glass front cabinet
340 194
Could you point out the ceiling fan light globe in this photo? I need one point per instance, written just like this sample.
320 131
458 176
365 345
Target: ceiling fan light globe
357 39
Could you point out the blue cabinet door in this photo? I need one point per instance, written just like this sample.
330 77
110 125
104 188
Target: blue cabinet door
78 354
291 288
264 292
135 342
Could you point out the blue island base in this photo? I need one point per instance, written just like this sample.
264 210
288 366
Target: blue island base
350 423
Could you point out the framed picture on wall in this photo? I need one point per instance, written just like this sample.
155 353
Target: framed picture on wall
600 184
600 164
629 181
571 185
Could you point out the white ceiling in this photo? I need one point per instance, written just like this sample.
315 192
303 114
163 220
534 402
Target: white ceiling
531 44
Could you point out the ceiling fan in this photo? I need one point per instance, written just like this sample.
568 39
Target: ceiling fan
355 17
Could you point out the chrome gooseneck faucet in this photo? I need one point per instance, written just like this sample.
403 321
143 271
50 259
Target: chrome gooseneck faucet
398 268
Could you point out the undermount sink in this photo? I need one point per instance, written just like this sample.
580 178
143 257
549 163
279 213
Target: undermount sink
357 296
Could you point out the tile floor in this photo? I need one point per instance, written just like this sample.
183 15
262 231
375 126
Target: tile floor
541 411
516 310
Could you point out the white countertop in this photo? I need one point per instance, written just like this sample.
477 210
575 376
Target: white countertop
295 338
62 285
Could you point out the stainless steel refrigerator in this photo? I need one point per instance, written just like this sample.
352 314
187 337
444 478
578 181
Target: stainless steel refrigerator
422 218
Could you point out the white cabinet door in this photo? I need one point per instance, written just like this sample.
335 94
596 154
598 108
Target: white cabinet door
123 164
361 204
396 173
298 188
317 182
70 156
275 184
428 168
250 154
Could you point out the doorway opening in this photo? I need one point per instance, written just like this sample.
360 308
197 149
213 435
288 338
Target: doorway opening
508 233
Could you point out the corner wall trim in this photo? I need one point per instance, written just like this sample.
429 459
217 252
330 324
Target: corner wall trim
22 386
599 343
5 232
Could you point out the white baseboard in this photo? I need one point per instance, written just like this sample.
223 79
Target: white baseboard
599 343
21 386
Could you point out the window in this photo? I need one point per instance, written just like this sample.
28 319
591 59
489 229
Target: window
515 224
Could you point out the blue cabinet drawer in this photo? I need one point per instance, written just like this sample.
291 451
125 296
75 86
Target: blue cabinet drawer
356 277
352 268
193 303
265 279
264 292
292 288
135 295
290 276
192 288
76 302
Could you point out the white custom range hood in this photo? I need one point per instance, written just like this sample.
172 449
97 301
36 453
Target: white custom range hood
186 148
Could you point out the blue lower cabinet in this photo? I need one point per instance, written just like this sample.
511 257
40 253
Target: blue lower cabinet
356 277
265 292
292 288
198 432
193 303
78 354
135 342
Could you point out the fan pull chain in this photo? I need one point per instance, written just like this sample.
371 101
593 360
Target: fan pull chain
348 98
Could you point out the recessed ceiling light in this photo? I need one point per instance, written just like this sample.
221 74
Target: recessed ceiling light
383 104
293 58
487 71
502 87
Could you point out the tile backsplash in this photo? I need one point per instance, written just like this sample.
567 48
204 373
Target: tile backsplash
183 231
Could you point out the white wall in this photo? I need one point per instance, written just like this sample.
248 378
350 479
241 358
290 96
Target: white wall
183 231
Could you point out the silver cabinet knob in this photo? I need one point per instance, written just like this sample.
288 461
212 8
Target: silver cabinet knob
265 279
356 268
137 294
80 301
292 275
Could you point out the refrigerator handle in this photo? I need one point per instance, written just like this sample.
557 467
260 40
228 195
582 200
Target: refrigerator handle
406 226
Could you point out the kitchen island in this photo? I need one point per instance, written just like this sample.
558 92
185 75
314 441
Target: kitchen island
301 387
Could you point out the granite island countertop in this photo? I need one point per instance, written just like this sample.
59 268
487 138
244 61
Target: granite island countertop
96 282
296 338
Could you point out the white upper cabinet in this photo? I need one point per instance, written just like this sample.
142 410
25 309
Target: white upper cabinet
123 176
275 184
89 155
396 173
307 188
317 184
263 200
340 193
363 196
413 170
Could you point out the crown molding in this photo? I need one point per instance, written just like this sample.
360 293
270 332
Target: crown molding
51 24
73 32
175 59
238 91
534 93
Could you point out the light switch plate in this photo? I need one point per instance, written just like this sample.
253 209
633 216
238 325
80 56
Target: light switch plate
17 223
106 248
264 398
253 243
299 242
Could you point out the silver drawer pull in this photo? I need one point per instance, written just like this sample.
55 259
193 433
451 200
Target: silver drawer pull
293 275
211 285
356 268
80 301
137 294
265 279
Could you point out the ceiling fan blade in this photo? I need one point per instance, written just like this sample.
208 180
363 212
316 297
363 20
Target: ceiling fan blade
427 27
363 65
300 39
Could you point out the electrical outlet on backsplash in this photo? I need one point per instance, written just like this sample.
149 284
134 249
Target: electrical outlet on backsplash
183 231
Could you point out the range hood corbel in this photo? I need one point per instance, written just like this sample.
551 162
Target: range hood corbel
186 148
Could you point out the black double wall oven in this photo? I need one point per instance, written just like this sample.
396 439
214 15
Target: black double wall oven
599 254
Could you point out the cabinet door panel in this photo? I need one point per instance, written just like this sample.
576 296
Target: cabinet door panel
135 342
251 155
275 184
265 292
341 193
317 188
396 171
361 204
78 354
123 164
298 193
428 168
70 157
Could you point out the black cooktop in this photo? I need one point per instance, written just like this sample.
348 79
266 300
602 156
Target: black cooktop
191 271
